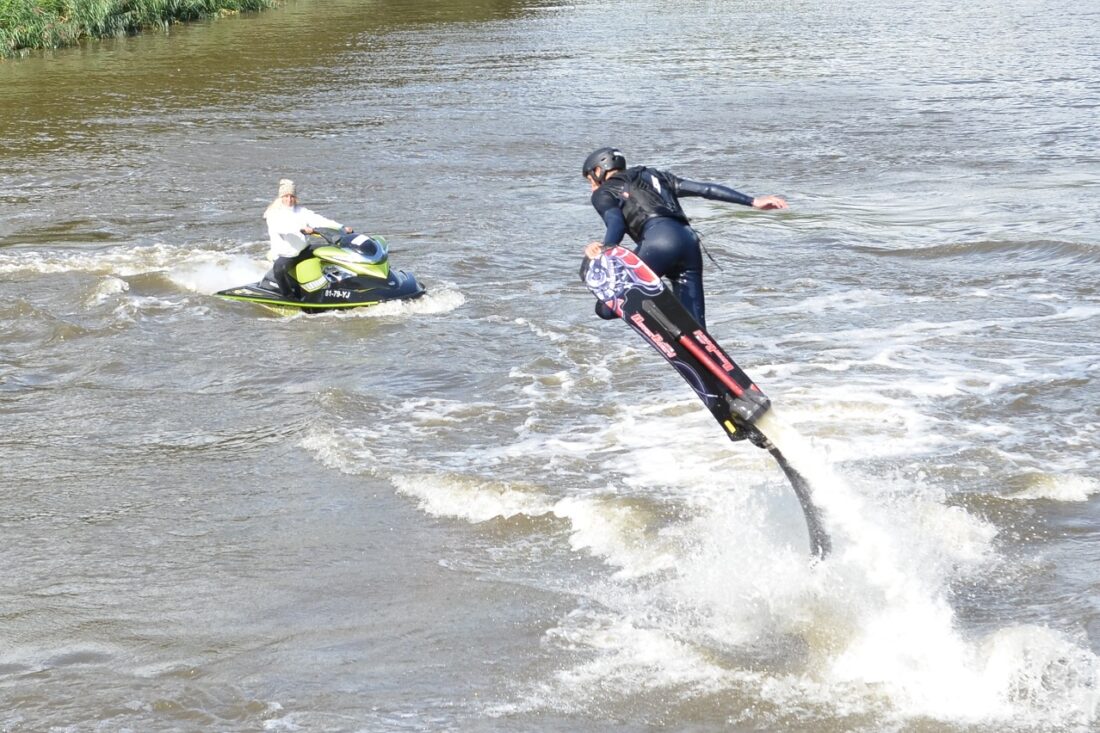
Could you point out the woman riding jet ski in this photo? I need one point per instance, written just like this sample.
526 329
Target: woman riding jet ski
338 269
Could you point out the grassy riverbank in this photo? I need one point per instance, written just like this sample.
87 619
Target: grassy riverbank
56 23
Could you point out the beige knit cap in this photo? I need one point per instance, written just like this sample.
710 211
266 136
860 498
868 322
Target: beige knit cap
287 186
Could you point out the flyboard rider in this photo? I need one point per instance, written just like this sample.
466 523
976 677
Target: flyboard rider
644 203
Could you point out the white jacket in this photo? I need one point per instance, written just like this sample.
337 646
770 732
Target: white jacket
284 225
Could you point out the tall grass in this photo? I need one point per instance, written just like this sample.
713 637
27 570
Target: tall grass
56 23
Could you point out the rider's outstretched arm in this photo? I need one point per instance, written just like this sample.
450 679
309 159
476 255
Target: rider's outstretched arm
713 191
718 192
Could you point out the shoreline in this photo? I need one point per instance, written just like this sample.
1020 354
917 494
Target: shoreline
37 25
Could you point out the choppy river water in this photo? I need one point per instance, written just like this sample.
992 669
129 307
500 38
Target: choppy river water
488 510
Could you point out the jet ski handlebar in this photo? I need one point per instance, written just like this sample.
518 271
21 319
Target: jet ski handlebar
332 236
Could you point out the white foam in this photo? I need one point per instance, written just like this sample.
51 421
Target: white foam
122 261
619 532
471 498
107 289
434 302
345 453
1069 488
606 527
912 656
208 275
628 659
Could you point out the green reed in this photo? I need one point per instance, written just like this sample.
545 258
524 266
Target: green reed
28 24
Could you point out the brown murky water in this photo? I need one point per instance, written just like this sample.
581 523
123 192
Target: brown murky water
487 510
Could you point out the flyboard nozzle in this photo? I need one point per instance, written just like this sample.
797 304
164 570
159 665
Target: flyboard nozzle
750 405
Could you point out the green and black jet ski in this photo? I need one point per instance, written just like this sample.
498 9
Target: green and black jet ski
348 270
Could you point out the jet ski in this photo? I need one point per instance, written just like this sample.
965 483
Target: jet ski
348 270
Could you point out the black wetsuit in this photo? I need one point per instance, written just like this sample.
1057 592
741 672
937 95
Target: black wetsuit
644 203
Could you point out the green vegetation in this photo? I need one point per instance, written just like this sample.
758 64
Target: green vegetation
56 23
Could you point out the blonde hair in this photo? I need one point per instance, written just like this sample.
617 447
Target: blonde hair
274 205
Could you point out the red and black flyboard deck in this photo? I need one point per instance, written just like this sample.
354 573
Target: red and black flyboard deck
626 285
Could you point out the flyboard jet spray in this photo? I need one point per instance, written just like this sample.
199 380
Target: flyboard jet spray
627 286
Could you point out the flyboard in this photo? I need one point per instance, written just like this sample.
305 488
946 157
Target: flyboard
626 285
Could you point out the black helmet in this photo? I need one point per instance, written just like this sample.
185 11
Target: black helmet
607 160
